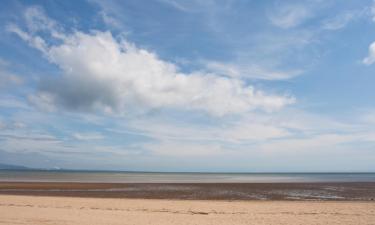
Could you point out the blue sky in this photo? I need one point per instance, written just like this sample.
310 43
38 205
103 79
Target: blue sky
169 85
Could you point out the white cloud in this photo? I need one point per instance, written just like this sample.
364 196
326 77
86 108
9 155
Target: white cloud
112 15
177 5
318 144
194 5
115 76
289 15
7 101
279 133
88 136
34 41
36 20
370 59
8 79
12 125
184 149
252 128
109 20
250 71
368 117
339 21
372 11
18 139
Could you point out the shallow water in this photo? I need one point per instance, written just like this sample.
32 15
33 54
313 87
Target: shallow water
140 177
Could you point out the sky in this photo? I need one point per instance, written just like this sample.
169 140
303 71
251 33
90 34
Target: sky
174 85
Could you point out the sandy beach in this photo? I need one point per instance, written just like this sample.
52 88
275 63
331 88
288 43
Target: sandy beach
55 203
44 210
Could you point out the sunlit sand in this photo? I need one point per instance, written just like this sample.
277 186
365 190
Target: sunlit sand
90 211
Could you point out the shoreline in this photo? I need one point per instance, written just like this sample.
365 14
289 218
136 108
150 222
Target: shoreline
343 191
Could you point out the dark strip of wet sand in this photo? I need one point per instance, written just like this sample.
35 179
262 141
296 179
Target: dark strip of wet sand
350 191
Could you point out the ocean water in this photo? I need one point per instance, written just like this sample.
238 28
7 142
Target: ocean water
141 177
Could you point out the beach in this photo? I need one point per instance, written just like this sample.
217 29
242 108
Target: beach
55 203
46 210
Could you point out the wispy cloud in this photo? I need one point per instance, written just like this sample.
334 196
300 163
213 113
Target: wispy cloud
339 21
88 136
7 78
250 71
289 15
112 15
196 5
372 11
9 101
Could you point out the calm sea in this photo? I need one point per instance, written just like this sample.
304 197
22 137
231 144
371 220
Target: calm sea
140 177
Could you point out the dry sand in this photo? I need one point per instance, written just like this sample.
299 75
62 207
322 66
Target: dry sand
38 210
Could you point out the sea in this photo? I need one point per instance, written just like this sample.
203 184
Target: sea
159 177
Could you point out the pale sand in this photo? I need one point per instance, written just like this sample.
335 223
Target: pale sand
91 211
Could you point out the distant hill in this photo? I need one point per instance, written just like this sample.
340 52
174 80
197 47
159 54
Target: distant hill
12 167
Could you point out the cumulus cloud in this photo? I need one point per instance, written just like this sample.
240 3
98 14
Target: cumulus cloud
370 59
113 75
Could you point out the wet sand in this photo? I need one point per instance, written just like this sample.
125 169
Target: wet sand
42 210
224 191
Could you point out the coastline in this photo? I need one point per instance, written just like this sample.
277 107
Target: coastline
333 191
